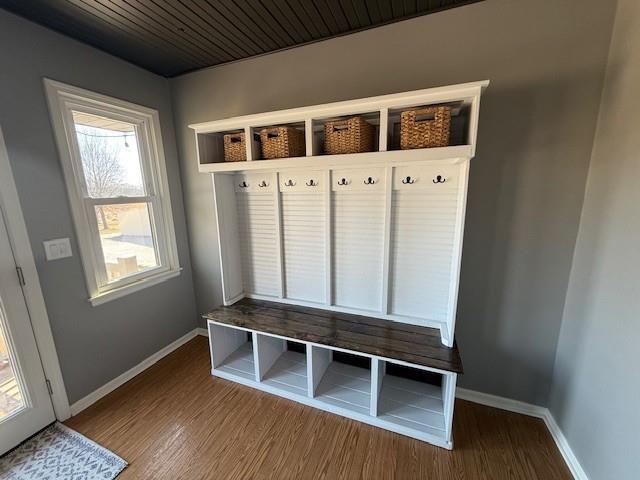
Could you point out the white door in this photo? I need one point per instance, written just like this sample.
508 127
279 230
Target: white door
25 404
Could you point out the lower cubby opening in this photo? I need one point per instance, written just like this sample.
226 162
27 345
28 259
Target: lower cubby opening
232 351
282 364
345 382
412 398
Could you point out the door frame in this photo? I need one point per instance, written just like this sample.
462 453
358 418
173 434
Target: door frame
19 239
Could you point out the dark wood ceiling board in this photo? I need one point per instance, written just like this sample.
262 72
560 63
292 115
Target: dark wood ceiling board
350 13
374 11
238 14
362 13
218 19
333 9
290 20
95 32
256 10
311 15
410 7
209 30
201 32
156 18
129 27
385 10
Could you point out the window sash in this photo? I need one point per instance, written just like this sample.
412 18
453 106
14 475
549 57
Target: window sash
63 100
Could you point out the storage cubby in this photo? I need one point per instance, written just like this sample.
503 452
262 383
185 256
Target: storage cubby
343 380
372 118
281 364
257 147
415 399
210 147
231 351
459 130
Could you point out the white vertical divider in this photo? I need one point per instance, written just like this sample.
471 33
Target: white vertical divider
308 136
266 350
386 248
328 237
250 145
318 360
384 130
279 246
378 368
449 381
448 335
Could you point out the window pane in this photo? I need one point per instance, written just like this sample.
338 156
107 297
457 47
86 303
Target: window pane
10 396
110 157
127 239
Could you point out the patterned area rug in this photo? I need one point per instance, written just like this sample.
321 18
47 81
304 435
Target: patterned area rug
59 453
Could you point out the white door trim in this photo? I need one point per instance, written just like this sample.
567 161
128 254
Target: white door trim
19 238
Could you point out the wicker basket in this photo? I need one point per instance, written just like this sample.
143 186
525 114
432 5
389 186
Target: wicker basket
351 135
234 147
432 131
282 142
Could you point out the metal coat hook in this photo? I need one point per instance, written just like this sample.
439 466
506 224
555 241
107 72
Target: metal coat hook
408 181
289 183
370 181
311 183
439 179
343 181
243 185
263 184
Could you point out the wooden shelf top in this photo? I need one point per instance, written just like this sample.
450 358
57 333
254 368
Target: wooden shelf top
384 338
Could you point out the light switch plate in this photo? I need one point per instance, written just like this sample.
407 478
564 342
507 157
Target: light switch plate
57 248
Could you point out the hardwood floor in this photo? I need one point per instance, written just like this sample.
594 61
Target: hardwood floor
176 421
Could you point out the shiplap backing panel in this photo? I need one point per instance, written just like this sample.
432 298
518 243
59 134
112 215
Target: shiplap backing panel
423 224
303 240
358 242
257 229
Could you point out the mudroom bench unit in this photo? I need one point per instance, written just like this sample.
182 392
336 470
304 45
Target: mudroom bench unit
388 374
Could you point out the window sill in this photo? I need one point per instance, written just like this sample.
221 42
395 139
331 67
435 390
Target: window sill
116 293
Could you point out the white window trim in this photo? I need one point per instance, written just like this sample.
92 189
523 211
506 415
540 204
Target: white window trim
62 99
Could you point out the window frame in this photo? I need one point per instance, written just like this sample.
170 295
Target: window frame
63 100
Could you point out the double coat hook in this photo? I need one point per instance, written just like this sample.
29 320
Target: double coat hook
243 184
311 183
343 181
408 181
263 184
439 179
289 183
370 181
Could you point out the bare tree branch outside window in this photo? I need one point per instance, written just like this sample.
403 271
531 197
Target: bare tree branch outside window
103 171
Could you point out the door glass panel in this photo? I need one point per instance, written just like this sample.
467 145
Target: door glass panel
128 243
110 156
11 398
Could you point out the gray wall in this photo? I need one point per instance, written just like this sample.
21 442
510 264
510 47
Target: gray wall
546 63
596 388
95 344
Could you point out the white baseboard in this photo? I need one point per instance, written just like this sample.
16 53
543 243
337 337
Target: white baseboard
203 332
109 387
533 411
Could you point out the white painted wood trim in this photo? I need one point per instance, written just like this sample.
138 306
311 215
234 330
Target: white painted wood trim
531 410
19 237
386 247
394 100
351 160
61 99
110 386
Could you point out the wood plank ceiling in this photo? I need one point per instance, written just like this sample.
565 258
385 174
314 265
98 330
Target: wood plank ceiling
171 37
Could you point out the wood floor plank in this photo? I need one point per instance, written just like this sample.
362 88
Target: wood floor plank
176 421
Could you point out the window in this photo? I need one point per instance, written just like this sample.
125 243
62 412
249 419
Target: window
113 162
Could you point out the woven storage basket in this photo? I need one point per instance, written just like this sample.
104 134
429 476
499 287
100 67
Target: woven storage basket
234 147
431 132
351 135
282 142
